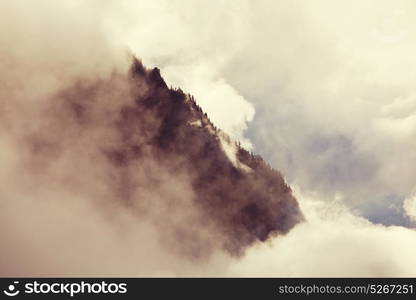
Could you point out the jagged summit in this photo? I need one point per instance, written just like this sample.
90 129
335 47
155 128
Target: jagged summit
245 198
152 150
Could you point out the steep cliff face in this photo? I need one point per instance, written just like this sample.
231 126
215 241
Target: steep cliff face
157 154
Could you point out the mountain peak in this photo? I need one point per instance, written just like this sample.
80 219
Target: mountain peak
158 157
246 199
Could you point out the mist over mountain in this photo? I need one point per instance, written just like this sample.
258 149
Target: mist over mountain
237 195
167 153
128 144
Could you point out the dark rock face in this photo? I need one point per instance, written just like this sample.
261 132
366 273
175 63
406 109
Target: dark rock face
166 162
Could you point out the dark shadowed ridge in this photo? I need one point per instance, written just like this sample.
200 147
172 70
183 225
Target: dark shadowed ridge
157 155
247 199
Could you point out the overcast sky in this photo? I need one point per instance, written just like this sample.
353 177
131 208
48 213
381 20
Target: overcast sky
324 90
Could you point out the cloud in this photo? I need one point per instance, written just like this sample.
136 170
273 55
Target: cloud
409 206
332 86
334 242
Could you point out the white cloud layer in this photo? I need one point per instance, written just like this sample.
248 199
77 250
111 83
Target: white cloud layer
333 242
